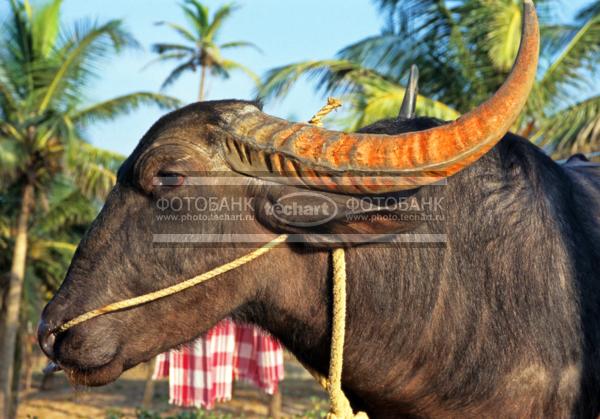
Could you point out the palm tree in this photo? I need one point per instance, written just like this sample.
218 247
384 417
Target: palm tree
45 69
572 126
201 49
57 225
463 62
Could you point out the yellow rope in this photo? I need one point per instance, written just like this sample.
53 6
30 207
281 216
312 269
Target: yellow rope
332 103
339 405
173 289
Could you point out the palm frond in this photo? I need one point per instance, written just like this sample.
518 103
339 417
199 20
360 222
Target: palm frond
577 53
179 29
229 65
380 99
503 32
177 56
8 98
218 19
93 180
431 35
240 44
197 15
9 130
45 27
11 160
572 130
161 48
19 29
100 156
426 22
177 72
82 47
373 97
593 9
122 105
73 209
56 245
92 170
332 76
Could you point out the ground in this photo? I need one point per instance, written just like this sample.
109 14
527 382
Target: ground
302 397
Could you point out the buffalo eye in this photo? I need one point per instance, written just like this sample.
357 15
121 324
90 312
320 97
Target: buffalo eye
164 178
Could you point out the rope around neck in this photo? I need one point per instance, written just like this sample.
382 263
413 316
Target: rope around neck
339 405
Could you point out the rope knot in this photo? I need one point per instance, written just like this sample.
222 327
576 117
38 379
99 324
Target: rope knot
332 104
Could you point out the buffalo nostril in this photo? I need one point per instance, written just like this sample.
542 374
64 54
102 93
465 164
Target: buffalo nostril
46 339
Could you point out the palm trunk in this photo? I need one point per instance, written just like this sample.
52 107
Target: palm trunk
275 405
149 386
202 81
13 302
29 342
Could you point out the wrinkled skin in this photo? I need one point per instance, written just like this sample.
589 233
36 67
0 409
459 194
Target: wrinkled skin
500 318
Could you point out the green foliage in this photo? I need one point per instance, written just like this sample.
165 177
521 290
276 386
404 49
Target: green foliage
574 129
45 73
201 48
146 414
575 53
45 27
46 70
381 98
57 222
371 96
592 9
318 410
334 76
463 62
114 414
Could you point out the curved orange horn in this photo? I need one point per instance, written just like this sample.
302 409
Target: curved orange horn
375 163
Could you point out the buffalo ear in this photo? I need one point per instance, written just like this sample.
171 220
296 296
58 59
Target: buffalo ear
326 219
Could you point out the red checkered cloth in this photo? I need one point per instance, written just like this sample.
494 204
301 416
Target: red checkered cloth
202 372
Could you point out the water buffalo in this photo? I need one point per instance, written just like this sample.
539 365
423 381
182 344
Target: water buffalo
500 320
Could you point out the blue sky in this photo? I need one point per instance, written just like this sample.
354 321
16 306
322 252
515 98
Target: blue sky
285 30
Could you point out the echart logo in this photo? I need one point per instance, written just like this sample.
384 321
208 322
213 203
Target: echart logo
303 209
